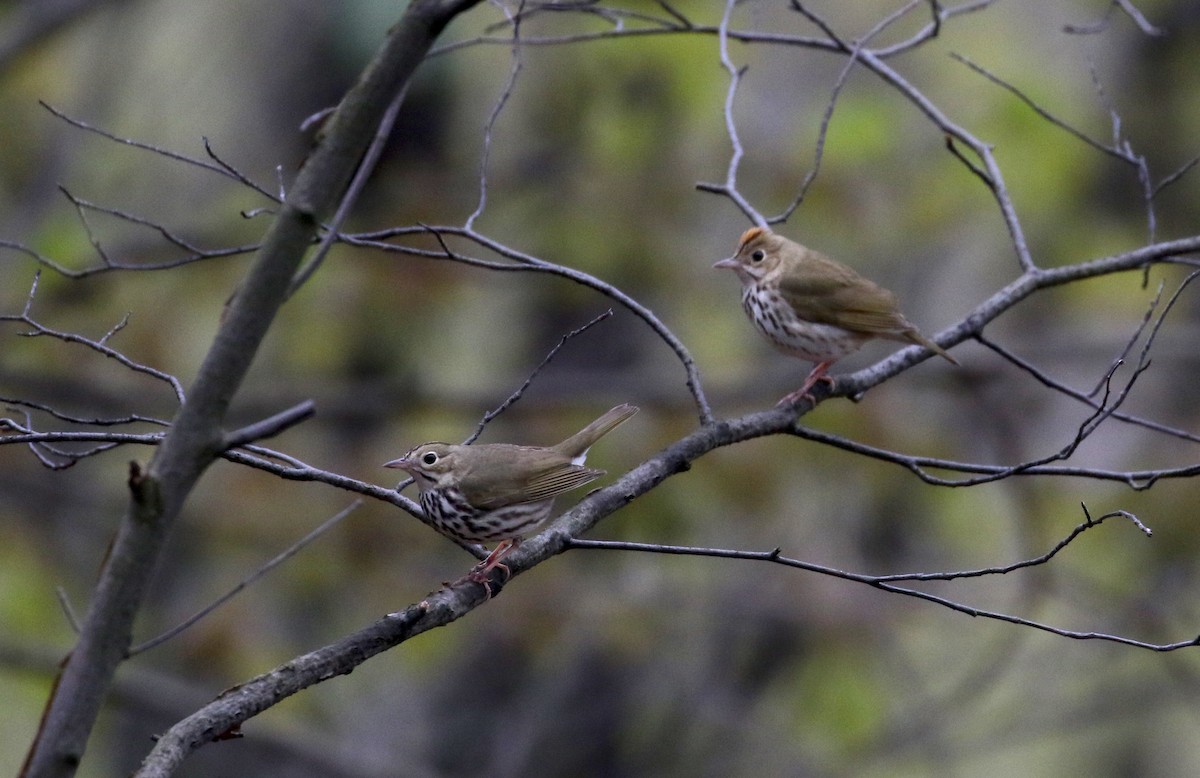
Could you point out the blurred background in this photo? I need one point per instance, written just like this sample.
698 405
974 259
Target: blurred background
607 663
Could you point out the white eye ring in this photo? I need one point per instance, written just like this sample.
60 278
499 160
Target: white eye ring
758 256
429 458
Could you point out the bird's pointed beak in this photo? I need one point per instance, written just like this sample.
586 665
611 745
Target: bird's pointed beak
399 464
729 262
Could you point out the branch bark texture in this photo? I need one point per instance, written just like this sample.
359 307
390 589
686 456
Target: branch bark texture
196 438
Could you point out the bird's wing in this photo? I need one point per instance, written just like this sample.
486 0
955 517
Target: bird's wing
510 480
542 486
828 292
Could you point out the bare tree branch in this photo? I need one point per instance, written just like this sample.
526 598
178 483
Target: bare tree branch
520 391
220 169
270 427
853 50
223 716
729 188
514 19
361 174
99 346
270 565
1126 7
887 582
194 438
348 146
1120 148
521 262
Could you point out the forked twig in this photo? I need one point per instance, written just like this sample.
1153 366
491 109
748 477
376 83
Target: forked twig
888 583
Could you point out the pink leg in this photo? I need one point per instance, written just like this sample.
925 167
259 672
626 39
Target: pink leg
817 374
479 573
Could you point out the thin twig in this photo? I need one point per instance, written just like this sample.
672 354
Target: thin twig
279 559
64 602
40 330
160 151
521 262
271 426
1102 25
92 421
1043 378
239 176
1171 178
520 391
776 554
730 187
839 84
887 583
490 125
362 173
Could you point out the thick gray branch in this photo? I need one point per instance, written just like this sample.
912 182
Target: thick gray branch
196 438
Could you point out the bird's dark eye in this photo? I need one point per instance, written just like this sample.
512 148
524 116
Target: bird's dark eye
758 256
429 458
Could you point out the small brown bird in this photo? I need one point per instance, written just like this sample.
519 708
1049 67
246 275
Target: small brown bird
812 307
500 492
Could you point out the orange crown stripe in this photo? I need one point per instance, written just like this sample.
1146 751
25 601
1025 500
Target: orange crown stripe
749 235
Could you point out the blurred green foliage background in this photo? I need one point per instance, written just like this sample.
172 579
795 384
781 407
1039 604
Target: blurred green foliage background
604 663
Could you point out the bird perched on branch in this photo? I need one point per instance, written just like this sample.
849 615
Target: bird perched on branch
493 492
812 307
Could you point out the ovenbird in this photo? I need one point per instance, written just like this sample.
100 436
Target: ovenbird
498 491
812 307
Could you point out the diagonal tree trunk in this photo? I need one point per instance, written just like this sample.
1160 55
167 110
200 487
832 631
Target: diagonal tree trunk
196 437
